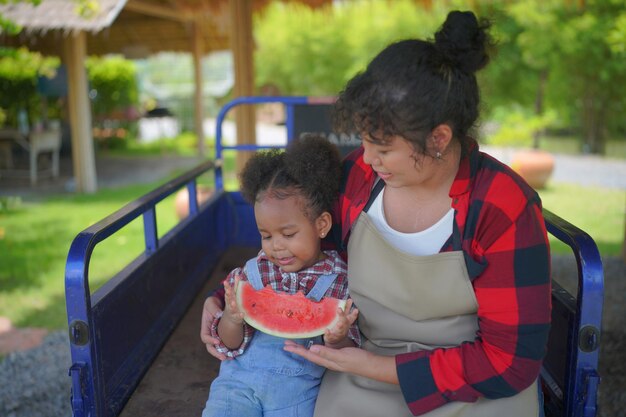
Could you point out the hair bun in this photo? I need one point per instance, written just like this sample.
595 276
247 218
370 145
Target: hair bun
314 162
462 41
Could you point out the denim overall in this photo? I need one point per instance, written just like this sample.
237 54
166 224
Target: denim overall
266 380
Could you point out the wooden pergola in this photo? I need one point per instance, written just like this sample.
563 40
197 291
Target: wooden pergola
138 28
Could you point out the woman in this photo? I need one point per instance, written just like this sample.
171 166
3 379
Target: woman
448 257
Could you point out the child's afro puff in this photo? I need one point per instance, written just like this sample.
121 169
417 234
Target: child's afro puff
309 167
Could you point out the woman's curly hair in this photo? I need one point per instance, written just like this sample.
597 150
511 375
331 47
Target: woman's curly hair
412 86
310 167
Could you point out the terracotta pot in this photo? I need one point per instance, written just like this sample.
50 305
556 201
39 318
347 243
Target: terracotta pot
181 202
534 165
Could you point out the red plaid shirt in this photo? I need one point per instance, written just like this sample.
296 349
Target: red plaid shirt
503 236
291 283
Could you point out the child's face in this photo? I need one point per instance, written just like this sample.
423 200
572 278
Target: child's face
288 237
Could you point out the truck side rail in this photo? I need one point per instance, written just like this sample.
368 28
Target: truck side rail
289 103
570 369
116 332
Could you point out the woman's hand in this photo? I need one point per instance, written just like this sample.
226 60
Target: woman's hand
337 335
349 359
212 306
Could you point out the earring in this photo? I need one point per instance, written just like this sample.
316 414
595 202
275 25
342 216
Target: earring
322 234
438 155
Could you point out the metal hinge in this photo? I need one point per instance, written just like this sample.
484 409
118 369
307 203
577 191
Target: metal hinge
79 333
77 395
589 338
591 381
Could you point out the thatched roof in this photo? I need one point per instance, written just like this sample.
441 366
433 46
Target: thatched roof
61 15
136 28
133 27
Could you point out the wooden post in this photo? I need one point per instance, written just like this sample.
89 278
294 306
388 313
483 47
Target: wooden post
83 156
242 47
198 114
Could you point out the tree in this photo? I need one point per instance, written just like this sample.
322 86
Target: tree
558 56
19 69
509 82
316 51
538 42
113 81
594 63
556 59
299 50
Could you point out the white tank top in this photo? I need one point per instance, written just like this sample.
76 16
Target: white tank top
426 242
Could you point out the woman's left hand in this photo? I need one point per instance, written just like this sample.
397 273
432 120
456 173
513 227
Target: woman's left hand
343 360
349 359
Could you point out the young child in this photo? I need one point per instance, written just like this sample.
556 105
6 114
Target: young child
292 193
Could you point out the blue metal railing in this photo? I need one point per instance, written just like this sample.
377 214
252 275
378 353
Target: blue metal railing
288 102
87 384
582 379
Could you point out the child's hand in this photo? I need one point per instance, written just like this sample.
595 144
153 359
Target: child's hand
231 311
338 333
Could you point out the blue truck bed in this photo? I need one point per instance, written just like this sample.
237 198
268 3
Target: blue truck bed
135 341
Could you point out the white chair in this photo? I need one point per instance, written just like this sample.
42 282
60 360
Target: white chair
40 142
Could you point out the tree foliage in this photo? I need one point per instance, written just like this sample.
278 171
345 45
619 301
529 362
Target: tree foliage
113 83
315 52
560 61
591 75
569 59
299 50
19 69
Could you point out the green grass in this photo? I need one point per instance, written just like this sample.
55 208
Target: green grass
598 211
184 144
35 239
615 149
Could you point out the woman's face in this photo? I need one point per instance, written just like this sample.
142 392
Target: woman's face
288 236
396 162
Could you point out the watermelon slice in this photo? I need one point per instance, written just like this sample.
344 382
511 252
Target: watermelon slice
286 315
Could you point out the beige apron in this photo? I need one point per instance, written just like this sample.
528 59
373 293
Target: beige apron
407 303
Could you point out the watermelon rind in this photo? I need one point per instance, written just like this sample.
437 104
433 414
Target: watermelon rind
304 306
